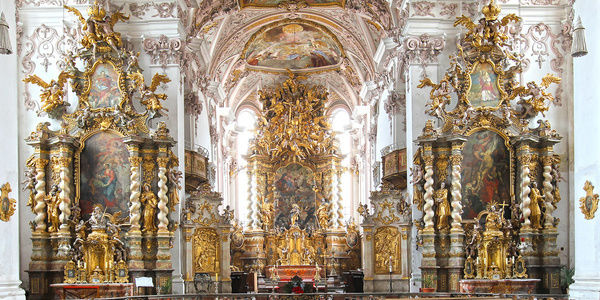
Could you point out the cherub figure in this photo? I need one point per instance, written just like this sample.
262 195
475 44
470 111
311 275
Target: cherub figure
439 95
52 92
417 174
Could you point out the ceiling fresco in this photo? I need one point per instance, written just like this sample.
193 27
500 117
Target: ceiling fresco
293 45
276 3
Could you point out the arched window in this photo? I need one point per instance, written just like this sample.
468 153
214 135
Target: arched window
341 124
244 127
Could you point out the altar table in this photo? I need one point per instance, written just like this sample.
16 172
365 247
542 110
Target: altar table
286 273
498 286
92 290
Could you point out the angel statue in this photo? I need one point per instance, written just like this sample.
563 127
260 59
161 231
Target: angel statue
52 92
440 96
534 98
148 93
99 26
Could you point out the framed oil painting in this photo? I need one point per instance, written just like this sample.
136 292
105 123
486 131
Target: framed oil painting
485 172
276 3
104 87
104 174
293 45
293 184
484 89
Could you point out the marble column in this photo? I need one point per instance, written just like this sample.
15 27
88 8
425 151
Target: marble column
134 235
457 234
368 257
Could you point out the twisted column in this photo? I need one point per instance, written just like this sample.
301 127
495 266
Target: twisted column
163 200
134 186
456 192
65 193
40 193
547 189
428 196
340 207
525 190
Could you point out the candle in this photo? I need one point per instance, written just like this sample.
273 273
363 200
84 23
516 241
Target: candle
390 264
513 260
217 277
477 260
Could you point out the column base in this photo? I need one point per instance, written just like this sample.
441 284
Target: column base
584 289
11 290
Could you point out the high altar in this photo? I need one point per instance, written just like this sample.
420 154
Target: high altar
103 185
485 181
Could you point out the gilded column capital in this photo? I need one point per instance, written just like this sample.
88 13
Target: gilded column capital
456 159
428 160
135 161
41 163
162 162
65 162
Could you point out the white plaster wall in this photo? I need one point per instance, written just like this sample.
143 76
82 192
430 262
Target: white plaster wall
9 165
586 160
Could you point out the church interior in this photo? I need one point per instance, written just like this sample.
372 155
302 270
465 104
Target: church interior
272 149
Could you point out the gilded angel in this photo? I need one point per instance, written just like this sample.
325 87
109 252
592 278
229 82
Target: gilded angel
52 92
534 97
149 97
439 95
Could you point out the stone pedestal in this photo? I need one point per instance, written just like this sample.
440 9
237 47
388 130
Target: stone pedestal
134 244
429 268
456 261
368 257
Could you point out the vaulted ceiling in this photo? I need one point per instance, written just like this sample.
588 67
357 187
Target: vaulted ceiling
246 45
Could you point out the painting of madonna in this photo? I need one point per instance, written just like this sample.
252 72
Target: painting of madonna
104 167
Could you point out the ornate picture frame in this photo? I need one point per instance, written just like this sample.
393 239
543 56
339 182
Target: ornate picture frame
494 84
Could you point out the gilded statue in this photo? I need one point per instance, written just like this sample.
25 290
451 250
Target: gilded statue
150 202
52 203
534 206
295 214
443 208
148 93
323 214
99 27
52 92
535 97
267 212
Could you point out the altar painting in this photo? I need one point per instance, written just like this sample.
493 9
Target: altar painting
104 89
485 172
276 3
484 86
294 185
293 46
104 169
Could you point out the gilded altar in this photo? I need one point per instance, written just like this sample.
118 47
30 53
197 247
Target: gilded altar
481 153
295 216
103 154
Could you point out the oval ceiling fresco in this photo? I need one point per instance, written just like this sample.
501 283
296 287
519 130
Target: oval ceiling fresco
276 3
293 45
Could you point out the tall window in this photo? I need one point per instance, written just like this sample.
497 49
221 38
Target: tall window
245 124
341 125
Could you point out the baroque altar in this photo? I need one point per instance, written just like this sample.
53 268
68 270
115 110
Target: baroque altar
295 213
103 184
482 160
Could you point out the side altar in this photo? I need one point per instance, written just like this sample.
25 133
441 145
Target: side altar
485 179
104 181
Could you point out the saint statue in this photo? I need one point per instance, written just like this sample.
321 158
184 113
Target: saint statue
323 215
295 213
534 206
52 203
97 219
267 212
150 202
443 208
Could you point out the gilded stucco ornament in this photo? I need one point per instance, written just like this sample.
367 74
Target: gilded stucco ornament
7 205
589 203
